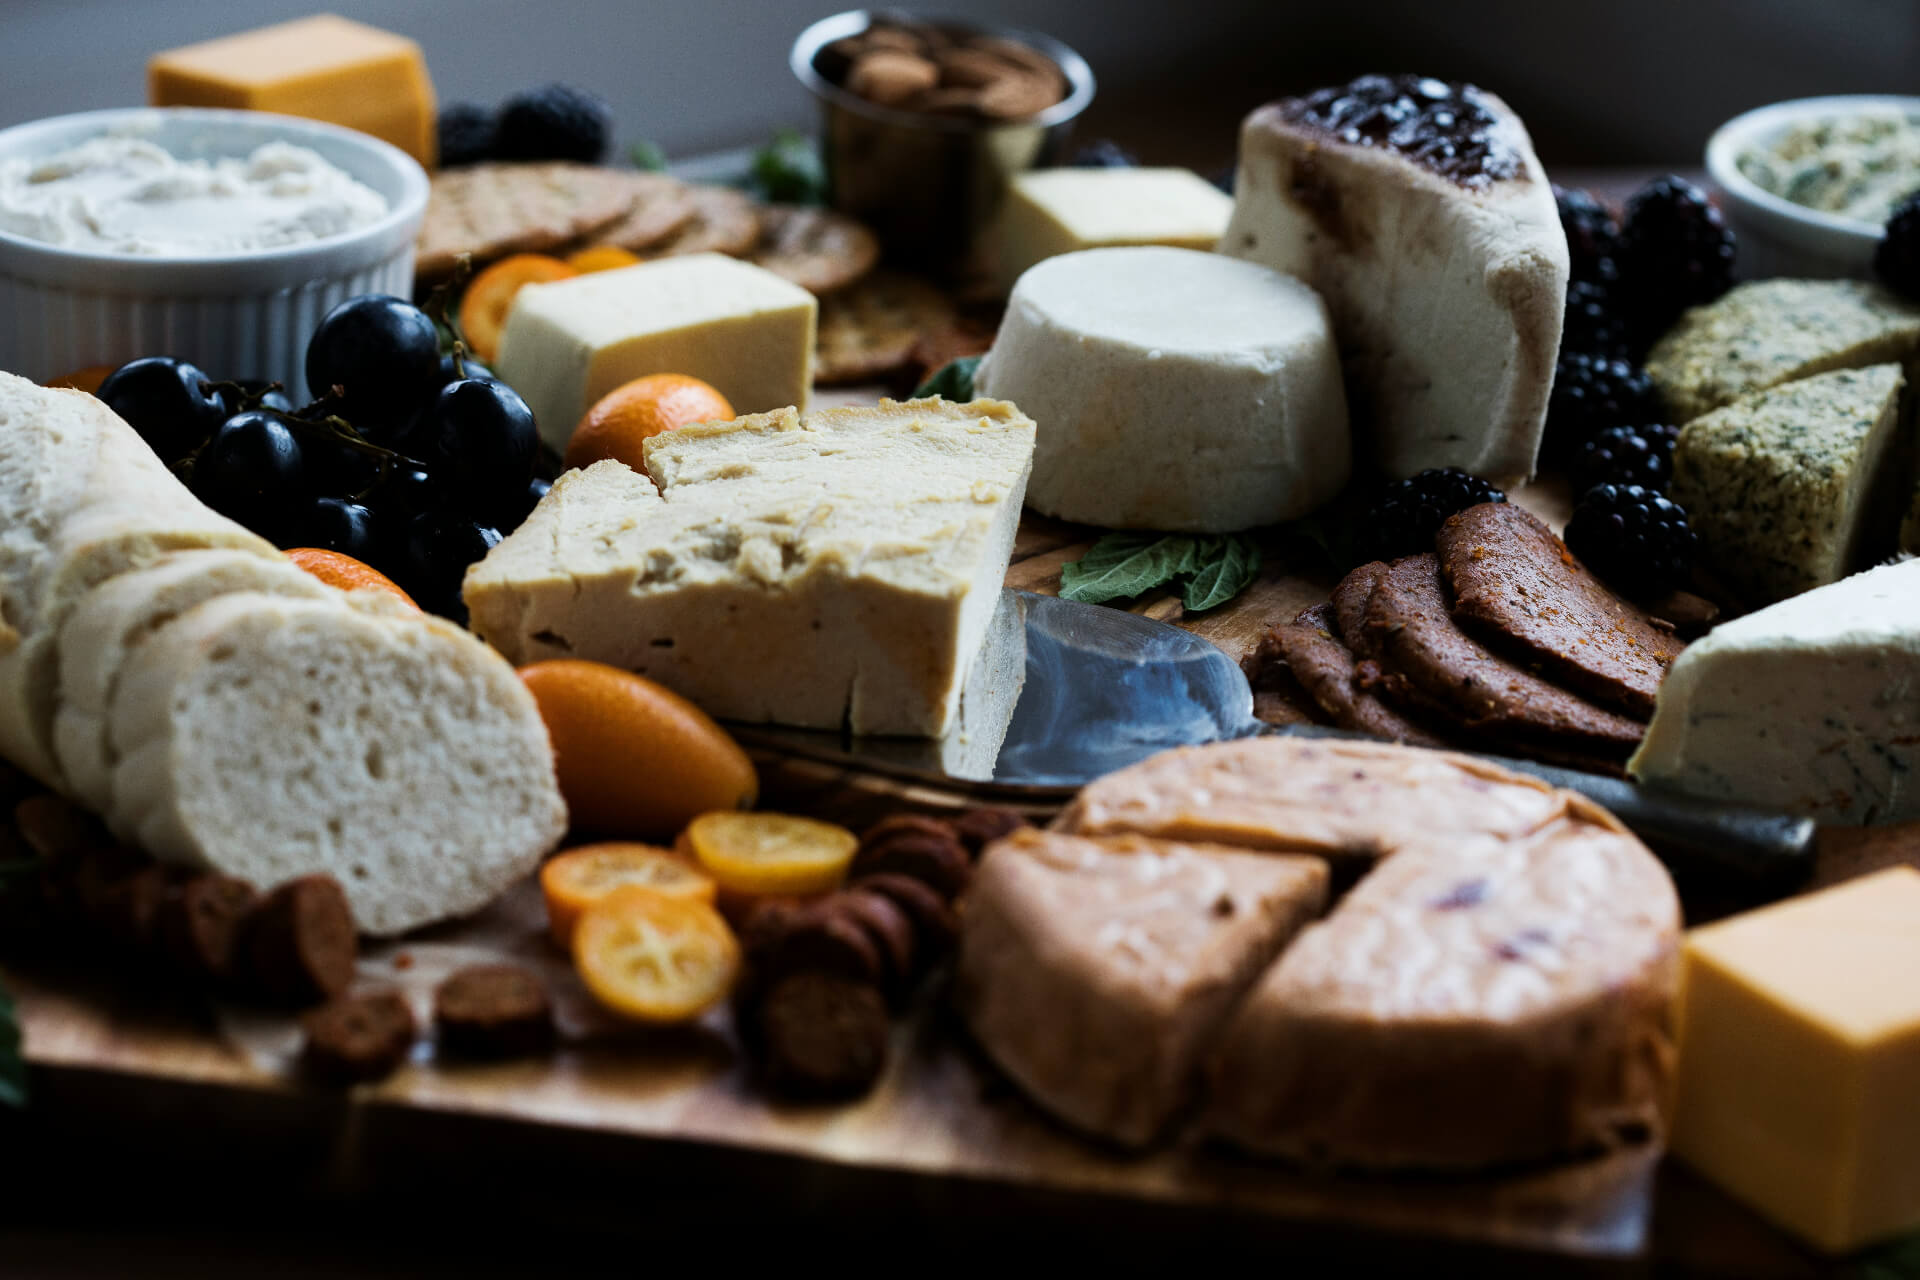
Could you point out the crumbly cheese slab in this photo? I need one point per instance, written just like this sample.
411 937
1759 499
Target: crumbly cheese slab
1055 211
729 323
82 498
1768 332
1811 706
1787 488
838 568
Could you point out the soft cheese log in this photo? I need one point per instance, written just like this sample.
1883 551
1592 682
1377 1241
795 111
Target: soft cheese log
1097 971
1811 705
1172 390
1419 212
113 619
82 498
269 738
834 569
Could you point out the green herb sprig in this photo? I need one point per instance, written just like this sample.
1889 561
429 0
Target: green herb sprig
788 170
954 381
1211 569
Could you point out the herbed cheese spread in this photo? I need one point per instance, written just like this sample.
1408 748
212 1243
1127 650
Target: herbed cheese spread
126 195
1858 166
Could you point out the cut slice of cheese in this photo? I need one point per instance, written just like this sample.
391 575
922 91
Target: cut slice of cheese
322 67
1808 706
1173 390
1054 211
1097 971
1800 1060
82 498
739 327
113 619
834 569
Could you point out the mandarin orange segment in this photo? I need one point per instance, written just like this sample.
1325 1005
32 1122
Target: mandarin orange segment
578 878
87 379
344 571
634 758
602 257
772 852
621 422
653 958
483 311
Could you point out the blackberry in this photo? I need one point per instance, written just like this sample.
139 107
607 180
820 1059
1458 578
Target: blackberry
1594 390
1403 519
1593 322
1625 455
466 132
1897 259
1676 251
1593 237
554 122
1636 539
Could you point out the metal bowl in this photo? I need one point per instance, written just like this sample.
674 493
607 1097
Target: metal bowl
930 185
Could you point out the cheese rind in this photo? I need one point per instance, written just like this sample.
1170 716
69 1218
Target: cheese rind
1800 1060
1173 390
1810 706
321 67
1054 211
741 328
835 569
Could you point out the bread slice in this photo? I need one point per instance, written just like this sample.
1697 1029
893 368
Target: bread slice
268 738
82 498
115 617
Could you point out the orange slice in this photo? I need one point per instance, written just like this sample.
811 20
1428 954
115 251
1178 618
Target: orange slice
771 852
603 257
483 311
581 877
653 958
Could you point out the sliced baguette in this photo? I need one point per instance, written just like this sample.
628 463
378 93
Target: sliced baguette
82 498
269 738
112 620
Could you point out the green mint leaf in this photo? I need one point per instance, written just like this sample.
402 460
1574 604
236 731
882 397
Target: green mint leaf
1121 565
1225 568
648 155
953 382
13 1065
788 170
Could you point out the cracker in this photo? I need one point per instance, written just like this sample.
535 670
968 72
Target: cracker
817 249
724 221
870 329
491 210
661 207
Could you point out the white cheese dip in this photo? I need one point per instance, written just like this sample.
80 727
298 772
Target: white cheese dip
118 194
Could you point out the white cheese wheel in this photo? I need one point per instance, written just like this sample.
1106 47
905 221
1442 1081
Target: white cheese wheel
1172 389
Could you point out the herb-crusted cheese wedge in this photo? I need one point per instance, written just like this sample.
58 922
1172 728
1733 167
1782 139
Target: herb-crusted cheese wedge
1770 332
837 568
1807 706
1781 487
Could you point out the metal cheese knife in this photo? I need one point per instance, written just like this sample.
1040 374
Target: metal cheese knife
1104 688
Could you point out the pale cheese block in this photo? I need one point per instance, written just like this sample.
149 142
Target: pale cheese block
1446 290
1795 487
82 498
1097 970
743 329
1172 390
1496 989
1053 211
115 617
268 738
1808 706
837 569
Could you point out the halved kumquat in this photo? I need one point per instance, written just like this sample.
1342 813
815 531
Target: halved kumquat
602 257
652 958
578 878
771 853
483 311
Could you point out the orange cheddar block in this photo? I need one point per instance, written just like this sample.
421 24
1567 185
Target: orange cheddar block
323 67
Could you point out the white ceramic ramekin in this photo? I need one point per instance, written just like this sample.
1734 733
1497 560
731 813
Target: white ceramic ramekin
1778 237
245 315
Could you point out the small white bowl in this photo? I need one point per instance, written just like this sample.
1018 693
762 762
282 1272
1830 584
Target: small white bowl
243 315
1776 236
